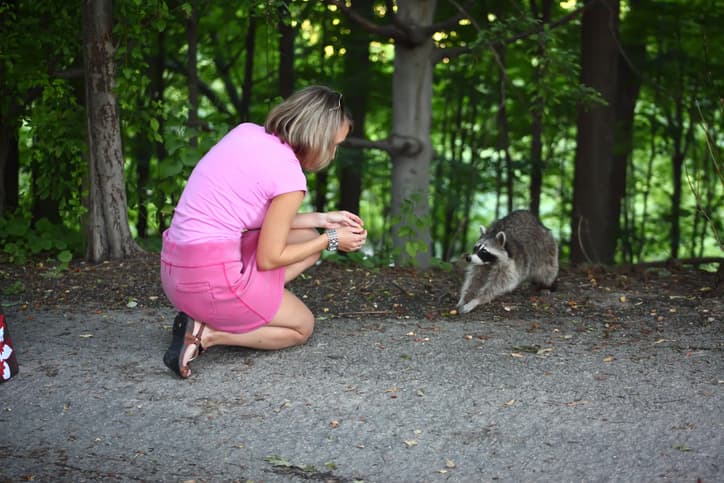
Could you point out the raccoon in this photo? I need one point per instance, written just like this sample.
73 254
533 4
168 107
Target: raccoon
516 249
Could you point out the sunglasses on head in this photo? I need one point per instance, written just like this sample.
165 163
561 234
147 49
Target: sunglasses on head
339 103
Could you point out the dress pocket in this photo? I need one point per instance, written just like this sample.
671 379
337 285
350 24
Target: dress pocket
196 299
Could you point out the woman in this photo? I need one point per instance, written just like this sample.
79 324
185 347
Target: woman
237 238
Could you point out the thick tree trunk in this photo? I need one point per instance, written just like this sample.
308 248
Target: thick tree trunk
594 223
412 113
109 235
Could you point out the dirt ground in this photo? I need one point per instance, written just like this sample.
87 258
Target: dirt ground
331 290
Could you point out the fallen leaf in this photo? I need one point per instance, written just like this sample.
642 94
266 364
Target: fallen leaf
450 464
609 359
509 403
86 336
623 299
517 354
410 443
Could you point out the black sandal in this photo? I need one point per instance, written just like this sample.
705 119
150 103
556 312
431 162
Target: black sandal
183 337
179 328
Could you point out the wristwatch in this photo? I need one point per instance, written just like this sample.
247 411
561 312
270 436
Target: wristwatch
333 243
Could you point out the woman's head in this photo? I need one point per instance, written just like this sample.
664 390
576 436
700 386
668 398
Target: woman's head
311 121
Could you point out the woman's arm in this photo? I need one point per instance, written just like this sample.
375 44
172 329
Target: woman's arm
307 220
332 219
273 250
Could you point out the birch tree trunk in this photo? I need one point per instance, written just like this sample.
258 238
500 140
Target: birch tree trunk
412 112
109 235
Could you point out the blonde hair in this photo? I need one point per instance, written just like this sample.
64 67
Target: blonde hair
309 121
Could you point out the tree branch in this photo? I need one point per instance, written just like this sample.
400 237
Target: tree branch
371 27
552 25
176 66
394 145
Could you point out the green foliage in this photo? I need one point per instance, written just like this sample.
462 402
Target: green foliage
40 50
21 242
409 225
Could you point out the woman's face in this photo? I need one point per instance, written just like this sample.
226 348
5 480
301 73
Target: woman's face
341 135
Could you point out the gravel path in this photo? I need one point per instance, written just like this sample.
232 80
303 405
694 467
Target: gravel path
367 400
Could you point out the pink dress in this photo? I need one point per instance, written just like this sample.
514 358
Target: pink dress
208 260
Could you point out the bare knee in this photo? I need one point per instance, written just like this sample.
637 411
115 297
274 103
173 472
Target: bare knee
305 329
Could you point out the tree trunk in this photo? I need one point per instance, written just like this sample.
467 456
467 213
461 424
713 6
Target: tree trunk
504 130
109 235
192 40
248 82
411 117
628 87
350 163
286 53
146 150
9 168
594 224
536 144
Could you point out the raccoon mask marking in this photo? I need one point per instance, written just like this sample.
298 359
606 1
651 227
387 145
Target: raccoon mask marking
488 250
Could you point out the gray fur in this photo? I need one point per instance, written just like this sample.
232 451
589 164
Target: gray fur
515 250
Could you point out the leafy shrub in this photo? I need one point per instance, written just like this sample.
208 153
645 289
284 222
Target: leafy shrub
20 241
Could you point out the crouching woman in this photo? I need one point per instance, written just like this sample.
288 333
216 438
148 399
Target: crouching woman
237 236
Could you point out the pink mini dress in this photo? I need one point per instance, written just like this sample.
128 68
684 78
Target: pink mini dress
208 259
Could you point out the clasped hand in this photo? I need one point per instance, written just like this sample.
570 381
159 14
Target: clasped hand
350 231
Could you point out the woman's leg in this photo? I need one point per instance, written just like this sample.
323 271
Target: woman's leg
300 236
292 325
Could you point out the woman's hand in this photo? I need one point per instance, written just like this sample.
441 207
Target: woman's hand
339 219
351 239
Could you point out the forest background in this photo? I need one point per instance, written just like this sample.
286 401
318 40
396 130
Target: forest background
604 117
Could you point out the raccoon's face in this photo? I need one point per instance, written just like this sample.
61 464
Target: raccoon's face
488 250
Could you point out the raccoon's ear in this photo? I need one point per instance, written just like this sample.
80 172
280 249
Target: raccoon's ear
482 230
501 238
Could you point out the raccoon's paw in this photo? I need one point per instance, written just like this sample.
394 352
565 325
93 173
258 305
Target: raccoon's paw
469 306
